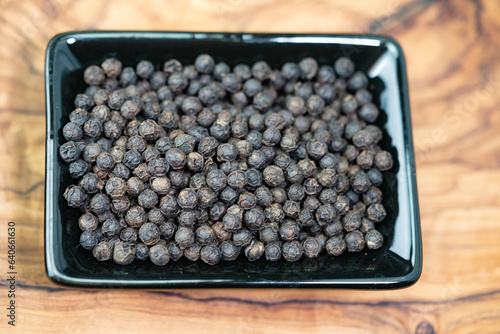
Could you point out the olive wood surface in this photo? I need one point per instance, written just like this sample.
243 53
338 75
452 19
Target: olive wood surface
452 53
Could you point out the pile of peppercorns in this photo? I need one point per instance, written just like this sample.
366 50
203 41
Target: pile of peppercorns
208 162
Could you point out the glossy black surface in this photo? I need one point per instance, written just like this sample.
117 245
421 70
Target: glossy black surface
397 264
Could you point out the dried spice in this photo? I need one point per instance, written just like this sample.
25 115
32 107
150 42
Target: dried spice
209 162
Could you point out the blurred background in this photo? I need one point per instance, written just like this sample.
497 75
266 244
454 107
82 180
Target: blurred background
451 49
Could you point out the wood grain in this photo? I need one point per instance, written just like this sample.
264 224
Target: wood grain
454 76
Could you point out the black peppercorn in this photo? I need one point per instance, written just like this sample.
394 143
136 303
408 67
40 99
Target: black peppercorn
269 233
158 167
372 195
311 203
274 212
312 187
101 113
184 237
103 251
93 75
360 183
232 222
254 218
145 69
292 250
123 253
376 177
110 227
247 200
327 196
221 234
159 255
176 158
257 159
204 235
149 233
141 252
135 186
271 136
167 229
383 160
132 159
363 139
216 180
175 251
136 216
129 234
78 168
291 209
315 105
187 217
88 240
342 184
335 246
172 65
229 251
344 67
255 250
204 63
72 131
374 239
79 116
116 187
84 101
289 230
308 68
351 221
226 152
333 228
91 183
263 101
273 251
160 185
311 247
112 67
99 204
342 205
210 254
279 195
376 212
242 238
192 253
273 176
147 199
369 112
88 222
355 241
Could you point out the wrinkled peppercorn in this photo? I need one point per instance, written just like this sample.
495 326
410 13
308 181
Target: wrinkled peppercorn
123 253
335 246
210 254
149 233
255 250
292 250
355 241
184 237
159 255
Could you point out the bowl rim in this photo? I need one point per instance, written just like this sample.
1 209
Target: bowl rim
56 275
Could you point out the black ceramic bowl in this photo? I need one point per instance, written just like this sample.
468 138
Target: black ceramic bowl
396 264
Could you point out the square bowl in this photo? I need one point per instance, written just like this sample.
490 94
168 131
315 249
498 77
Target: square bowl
396 264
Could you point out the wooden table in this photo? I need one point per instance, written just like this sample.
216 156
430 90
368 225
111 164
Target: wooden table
452 51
